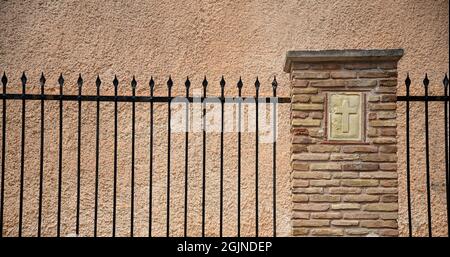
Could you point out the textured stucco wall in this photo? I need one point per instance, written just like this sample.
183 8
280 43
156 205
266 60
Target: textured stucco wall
181 38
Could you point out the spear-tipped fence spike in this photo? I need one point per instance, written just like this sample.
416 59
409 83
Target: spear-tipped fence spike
80 80
205 82
4 79
188 82
274 82
407 80
222 82
61 79
240 84
426 81
115 81
169 82
23 78
42 79
151 83
445 81
257 84
98 82
133 82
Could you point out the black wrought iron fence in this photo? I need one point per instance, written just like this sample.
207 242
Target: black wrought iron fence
62 98
426 99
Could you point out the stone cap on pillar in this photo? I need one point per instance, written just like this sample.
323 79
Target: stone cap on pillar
341 56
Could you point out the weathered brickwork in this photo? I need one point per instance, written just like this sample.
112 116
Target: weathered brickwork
344 188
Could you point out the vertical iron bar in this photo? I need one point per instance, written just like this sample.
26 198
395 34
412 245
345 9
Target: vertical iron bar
77 228
150 200
222 101
274 157
239 85
41 157
97 153
205 84
186 161
427 153
115 83
133 131
2 190
169 87
257 84
61 84
408 171
447 164
22 154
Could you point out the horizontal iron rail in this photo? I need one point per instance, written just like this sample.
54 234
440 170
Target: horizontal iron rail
417 98
112 98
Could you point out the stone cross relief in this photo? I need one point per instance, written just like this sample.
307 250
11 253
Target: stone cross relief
345 111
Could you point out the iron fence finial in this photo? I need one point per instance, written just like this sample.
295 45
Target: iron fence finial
151 83
222 82
257 84
4 78
61 79
407 83
133 82
407 80
274 82
23 78
205 82
240 84
115 81
170 82
445 81
42 79
426 81
188 82
98 82
80 80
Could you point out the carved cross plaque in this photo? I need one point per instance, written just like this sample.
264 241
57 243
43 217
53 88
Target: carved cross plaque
345 116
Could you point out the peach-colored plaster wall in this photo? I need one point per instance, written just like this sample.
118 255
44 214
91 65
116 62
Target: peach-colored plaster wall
196 38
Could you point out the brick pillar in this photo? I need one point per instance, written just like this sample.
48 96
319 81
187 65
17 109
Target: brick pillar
344 146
